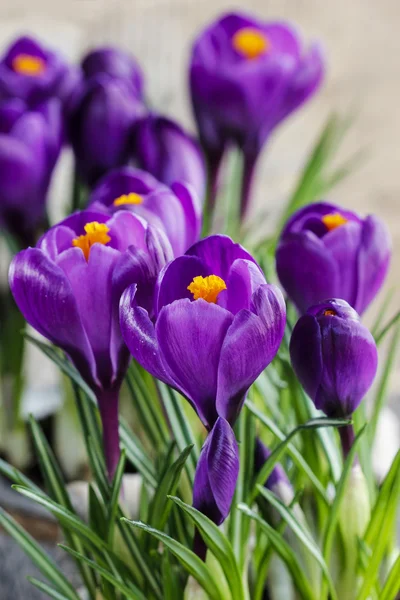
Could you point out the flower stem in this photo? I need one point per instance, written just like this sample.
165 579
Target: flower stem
108 407
249 167
347 438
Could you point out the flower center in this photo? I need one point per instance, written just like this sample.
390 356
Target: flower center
28 65
329 313
96 233
131 198
250 42
207 288
333 220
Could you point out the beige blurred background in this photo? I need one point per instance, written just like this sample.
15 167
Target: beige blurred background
363 55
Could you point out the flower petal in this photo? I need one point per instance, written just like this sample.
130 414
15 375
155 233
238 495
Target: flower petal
219 253
244 278
190 336
45 298
305 354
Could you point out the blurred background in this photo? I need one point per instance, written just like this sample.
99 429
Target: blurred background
362 49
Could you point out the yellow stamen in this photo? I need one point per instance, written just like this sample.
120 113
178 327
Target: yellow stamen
96 233
333 220
207 288
251 42
28 65
329 313
131 198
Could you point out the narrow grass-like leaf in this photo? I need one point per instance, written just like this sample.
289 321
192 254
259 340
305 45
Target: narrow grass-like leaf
219 545
171 587
116 488
283 549
168 484
382 311
302 534
391 586
136 454
278 452
192 563
380 336
294 454
47 589
131 592
38 556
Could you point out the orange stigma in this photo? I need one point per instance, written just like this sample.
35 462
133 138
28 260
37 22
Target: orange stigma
96 233
251 42
207 288
131 198
28 65
333 220
329 313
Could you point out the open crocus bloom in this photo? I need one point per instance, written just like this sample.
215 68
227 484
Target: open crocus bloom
33 73
217 325
176 210
68 289
328 252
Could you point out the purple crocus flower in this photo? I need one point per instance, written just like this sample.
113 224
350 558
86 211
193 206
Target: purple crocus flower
30 143
246 76
328 252
175 210
165 150
334 357
100 122
116 63
68 288
33 73
217 325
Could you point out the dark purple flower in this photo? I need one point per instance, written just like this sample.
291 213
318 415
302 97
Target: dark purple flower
165 150
246 76
334 357
68 289
114 62
175 210
328 252
33 73
100 123
30 142
217 325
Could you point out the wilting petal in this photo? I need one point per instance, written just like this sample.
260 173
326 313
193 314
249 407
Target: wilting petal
190 336
306 270
216 473
45 298
174 280
373 261
219 252
249 346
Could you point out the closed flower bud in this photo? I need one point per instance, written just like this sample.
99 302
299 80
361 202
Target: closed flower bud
114 62
334 357
328 252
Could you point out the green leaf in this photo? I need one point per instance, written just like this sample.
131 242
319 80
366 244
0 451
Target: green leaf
278 452
294 454
131 592
219 545
37 555
16 476
285 552
171 586
136 454
331 525
380 336
48 590
97 513
301 533
116 488
392 584
191 562
168 484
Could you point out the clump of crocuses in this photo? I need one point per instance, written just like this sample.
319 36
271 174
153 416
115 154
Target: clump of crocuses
174 209
68 288
246 76
326 251
217 325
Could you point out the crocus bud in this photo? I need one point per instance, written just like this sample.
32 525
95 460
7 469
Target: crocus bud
116 63
328 252
100 125
334 357
246 76
33 73
165 150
